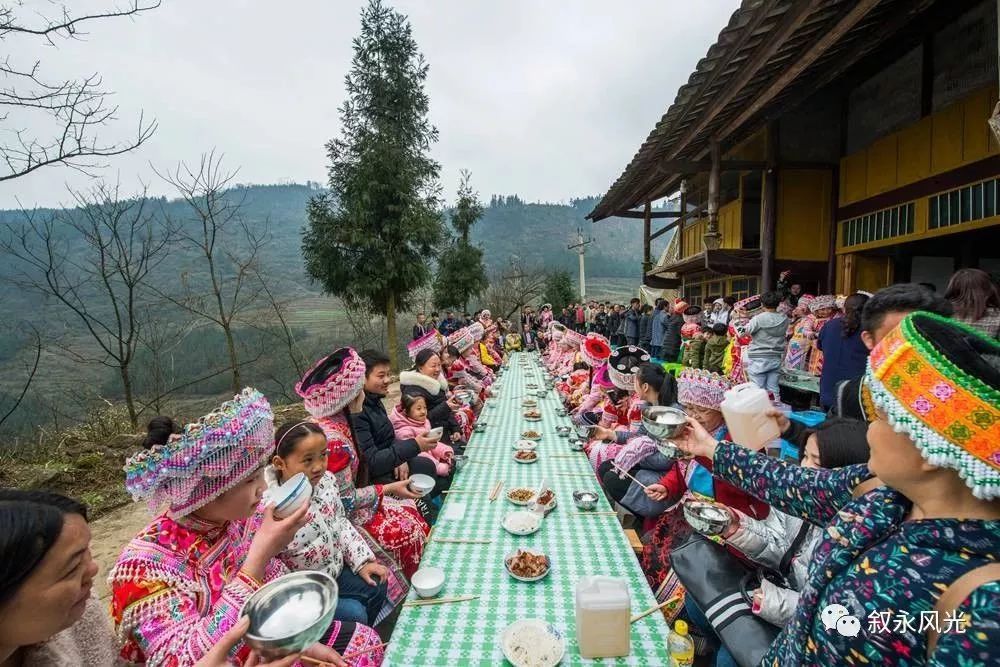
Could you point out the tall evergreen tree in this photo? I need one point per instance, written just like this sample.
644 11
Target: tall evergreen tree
371 239
461 275
559 290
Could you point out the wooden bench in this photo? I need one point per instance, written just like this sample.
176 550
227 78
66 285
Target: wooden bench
633 540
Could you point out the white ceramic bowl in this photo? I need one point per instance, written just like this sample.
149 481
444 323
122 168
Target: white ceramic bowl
428 581
422 484
532 523
289 496
528 445
523 653
435 433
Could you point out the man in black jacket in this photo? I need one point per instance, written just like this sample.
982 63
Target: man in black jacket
388 459
421 327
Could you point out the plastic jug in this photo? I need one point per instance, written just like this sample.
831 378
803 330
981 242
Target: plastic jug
680 645
602 617
743 407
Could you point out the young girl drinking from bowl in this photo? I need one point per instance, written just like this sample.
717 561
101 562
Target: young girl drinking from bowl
409 419
328 541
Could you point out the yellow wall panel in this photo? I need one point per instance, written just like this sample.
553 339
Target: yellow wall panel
882 165
804 215
977 108
753 147
947 134
914 153
853 177
691 242
730 224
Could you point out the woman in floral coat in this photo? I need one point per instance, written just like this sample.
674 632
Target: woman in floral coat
888 554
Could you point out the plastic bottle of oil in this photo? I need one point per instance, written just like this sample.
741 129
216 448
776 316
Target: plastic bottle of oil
680 645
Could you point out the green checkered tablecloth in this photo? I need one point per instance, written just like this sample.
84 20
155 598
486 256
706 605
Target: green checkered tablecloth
467 633
802 383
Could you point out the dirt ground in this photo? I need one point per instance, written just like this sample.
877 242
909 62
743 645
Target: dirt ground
113 530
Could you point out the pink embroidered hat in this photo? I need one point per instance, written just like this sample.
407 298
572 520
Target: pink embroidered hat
429 341
823 301
209 457
595 350
701 388
329 386
463 339
572 338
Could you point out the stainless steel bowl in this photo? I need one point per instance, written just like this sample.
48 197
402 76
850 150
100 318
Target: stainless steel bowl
585 500
563 431
576 445
663 423
460 461
706 518
290 613
584 430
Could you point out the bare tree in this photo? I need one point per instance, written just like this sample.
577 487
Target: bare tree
77 108
512 288
282 330
368 330
228 245
31 370
96 262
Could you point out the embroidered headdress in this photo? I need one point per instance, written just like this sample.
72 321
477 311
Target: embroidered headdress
595 350
938 381
463 339
329 386
823 301
701 388
558 330
624 363
429 341
210 457
573 338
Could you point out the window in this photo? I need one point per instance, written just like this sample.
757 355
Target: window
968 204
693 294
880 225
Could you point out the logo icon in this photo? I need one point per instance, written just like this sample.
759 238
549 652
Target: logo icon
848 626
831 614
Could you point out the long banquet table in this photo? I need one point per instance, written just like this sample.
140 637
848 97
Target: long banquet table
578 544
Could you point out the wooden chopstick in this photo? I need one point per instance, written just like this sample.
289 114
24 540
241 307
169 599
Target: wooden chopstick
461 540
363 651
306 658
424 603
650 611
602 513
574 474
623 472
496 491
456 491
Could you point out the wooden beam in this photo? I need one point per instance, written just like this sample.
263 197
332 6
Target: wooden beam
666 228
812 54
640 215
712 237
680 222
831 254
647 261
769 214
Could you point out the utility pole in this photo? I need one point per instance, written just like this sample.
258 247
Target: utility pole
581 246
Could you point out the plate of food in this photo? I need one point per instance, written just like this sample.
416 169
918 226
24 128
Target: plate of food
533 415
529 403
527 564
526 445
522 522
521 495
531 386
525 456
531 435
533 643
546 500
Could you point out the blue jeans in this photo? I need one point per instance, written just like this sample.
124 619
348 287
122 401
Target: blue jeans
723 658
358 602
656 350
764 373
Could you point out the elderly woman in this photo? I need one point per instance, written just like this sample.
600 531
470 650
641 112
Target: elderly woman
914 542
333 392
181 583
976 300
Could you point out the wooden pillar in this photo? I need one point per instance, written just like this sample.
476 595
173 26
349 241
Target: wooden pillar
831 254
647 260
712 237
680 223
769 214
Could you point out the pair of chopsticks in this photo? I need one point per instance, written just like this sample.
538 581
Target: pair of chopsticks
623 472
593 513
461 540
425 603
574 474
496 490
348 656
650 611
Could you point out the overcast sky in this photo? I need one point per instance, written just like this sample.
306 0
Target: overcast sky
548 100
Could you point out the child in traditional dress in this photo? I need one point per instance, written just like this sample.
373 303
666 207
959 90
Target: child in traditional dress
328 541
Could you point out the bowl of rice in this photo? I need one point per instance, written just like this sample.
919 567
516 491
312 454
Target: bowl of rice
533 643
522 522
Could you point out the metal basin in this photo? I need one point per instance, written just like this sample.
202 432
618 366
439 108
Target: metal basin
290 613
663 423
